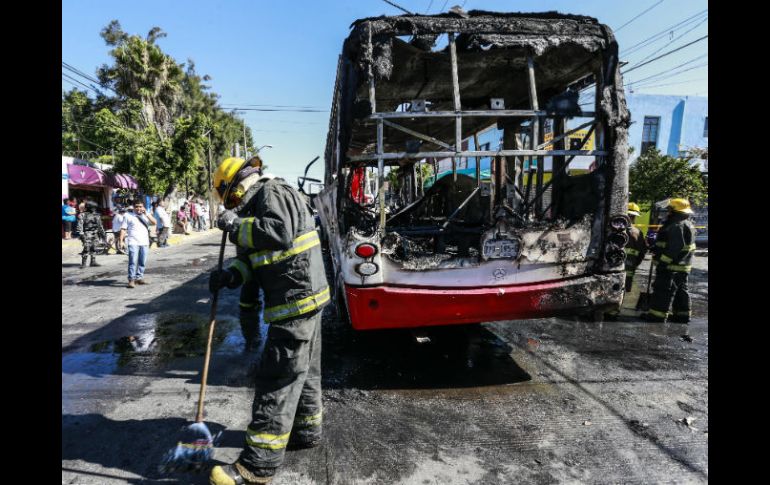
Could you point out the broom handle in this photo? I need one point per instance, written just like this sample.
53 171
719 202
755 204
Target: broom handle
212 323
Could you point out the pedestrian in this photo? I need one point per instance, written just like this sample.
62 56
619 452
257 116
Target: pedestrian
194 214
281 250
138 224
68 217
673 252
164 223
90 230
205 215
119 230
182 220
636 249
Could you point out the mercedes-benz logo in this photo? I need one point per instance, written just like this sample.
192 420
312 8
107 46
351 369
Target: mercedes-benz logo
499 273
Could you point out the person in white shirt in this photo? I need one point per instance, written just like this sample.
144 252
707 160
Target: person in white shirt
204 215
137 225
164 223
119 230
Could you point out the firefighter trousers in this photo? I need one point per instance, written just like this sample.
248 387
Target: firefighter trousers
670 285
287 400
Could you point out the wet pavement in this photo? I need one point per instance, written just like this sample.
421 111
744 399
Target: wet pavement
533 401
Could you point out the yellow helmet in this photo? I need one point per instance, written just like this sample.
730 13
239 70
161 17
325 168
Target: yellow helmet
633 209
680 205
225 175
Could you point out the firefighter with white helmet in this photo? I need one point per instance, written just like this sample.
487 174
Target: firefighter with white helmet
279 249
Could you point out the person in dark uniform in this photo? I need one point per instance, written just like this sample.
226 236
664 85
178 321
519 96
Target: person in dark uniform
273 223
91 231
673 252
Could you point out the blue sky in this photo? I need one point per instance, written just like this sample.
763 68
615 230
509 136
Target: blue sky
285 52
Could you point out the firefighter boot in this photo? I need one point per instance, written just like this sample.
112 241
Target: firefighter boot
236 474
93 261
84 261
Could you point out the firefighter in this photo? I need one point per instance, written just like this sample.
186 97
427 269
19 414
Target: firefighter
249 304
673 252
90 230
271 221
636 249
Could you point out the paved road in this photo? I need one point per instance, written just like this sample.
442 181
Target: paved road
534 401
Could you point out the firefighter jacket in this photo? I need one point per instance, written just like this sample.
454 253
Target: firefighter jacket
635 249
675 244
280 249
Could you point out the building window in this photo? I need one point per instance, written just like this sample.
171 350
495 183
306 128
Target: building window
706 128
650 132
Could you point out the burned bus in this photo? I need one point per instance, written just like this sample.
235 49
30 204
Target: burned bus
525 240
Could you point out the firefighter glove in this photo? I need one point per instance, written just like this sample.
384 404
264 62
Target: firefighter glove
220 279
228 221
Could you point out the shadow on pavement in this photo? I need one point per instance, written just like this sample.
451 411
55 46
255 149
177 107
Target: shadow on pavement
453 357
135 446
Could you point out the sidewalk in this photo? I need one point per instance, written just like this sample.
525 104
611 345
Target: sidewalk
74 246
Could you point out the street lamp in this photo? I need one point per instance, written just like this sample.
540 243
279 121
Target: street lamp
264 146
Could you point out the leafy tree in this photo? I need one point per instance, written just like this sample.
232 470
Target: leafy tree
654 177
156 120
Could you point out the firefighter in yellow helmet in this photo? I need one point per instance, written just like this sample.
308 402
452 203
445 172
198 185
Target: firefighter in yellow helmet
249 304
673 252
636 249
279 249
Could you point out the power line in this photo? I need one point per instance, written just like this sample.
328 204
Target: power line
398 7
675 39
79 72
666 54
281 110
72 79
661 73
270 105
639 15
677 82
669 72
429 5
443 6
668 77
643 43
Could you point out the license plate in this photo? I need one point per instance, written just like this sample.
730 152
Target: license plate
500 248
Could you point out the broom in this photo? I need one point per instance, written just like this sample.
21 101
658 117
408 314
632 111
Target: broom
196 443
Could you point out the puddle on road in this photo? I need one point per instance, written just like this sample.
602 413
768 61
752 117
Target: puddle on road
152 341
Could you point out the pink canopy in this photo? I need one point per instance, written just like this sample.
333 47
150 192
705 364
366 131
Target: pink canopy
84 175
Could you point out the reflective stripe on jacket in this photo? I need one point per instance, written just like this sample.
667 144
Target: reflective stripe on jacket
280 249
675 245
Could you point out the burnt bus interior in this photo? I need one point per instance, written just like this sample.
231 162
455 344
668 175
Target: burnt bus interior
412 90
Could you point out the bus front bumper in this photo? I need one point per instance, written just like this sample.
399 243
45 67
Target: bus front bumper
389 306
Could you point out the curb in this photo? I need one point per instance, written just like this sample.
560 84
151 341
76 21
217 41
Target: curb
74 245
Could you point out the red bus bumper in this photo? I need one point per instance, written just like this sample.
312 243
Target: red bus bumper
403 307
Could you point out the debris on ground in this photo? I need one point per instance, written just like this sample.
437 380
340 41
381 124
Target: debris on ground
586 423
686 338
688 421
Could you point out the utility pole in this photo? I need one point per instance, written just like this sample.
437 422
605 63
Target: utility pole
245 145
212 206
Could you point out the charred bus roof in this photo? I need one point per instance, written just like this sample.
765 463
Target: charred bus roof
398 55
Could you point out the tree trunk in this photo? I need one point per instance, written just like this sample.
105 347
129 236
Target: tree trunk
170 191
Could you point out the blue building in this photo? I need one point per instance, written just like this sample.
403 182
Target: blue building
672 124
